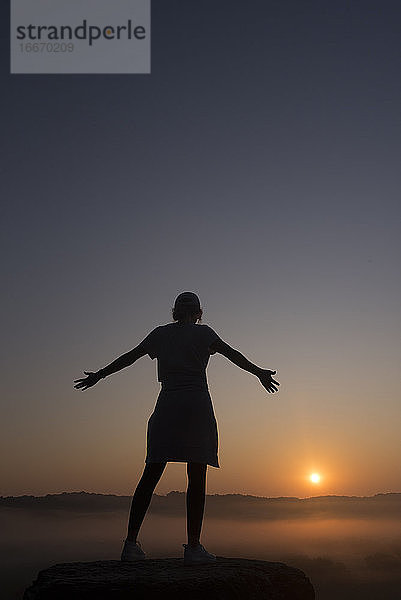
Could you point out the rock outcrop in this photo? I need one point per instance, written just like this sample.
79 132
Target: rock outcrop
227 579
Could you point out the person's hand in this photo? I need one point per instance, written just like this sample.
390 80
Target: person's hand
266 379
88 381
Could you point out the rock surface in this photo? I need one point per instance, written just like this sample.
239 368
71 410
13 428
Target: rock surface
227 579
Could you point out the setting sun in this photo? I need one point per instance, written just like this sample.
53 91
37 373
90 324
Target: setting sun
315 478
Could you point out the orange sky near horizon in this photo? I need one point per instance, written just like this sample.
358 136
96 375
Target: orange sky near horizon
269 443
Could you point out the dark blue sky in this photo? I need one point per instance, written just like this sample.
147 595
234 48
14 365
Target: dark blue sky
257 166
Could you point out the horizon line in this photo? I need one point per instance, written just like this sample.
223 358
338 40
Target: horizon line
211 495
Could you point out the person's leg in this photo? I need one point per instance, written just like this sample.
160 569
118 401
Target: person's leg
142 497
195 501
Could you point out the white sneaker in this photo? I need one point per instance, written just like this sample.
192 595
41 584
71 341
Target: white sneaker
132 551
197 555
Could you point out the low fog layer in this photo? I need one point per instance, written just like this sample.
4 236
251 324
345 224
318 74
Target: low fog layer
347 555
226 506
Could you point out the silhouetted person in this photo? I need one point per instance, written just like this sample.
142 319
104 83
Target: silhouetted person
182 427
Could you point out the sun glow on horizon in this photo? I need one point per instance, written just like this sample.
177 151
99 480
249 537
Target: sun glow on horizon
314 477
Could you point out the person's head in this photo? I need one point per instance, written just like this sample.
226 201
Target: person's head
187 308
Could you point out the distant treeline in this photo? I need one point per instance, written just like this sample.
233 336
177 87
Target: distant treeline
226 506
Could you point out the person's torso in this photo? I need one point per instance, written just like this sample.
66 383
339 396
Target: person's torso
182 351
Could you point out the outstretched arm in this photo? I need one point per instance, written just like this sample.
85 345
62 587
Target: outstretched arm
264 375
125 360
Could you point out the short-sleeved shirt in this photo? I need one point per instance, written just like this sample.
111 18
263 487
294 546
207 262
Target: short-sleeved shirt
182 351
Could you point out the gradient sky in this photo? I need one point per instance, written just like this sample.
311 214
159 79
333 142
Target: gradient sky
257 166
